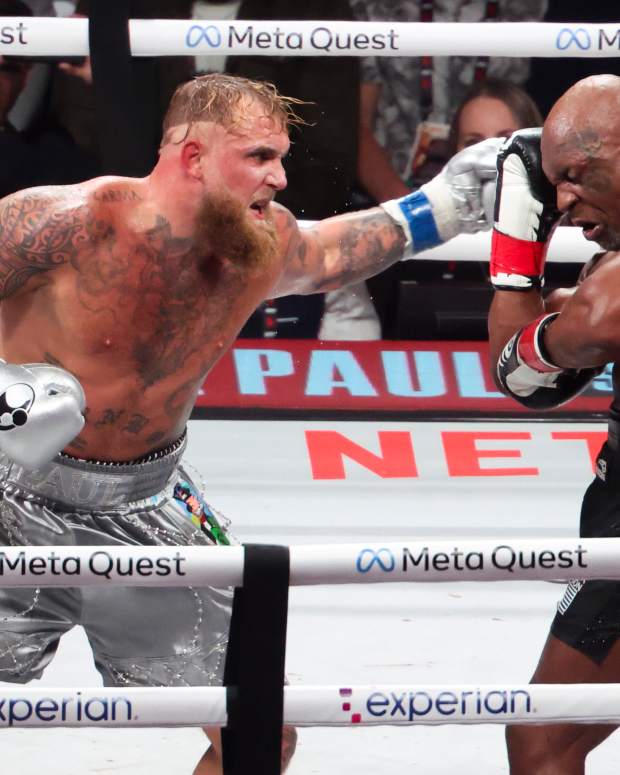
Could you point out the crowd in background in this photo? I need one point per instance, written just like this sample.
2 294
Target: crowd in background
376 128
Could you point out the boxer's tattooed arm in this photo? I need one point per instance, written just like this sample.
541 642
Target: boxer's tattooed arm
339 251
39 231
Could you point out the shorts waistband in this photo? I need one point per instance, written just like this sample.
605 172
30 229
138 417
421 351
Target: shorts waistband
92 485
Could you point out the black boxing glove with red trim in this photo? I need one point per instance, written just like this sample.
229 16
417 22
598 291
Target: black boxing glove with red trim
526 372
525 214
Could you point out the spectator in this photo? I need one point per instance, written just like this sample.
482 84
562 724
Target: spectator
399 93
405 106
73 100
15 162
491 108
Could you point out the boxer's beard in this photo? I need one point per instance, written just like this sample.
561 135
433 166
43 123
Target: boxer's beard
224 226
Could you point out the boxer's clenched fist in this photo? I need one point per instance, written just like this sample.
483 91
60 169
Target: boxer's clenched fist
456 201
525 214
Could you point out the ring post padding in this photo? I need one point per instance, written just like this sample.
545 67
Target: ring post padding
254 672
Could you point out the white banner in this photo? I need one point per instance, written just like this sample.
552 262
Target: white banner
455 560
26 36
148 566
370 705
451 704
416 561
118 707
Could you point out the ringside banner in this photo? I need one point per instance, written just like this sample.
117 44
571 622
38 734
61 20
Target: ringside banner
344 705
338 563
383 376
25 36
120 707
416 704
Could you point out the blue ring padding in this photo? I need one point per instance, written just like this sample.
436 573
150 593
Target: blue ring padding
419 214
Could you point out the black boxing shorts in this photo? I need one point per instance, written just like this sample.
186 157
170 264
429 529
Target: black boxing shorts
588 616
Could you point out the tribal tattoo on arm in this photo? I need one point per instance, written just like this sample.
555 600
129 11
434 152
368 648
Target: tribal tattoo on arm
39 231
339 251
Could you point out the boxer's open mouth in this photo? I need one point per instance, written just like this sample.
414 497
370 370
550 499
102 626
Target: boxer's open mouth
258 208
592 231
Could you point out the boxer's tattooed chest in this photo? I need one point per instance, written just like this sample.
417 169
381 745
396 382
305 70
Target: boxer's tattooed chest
152 294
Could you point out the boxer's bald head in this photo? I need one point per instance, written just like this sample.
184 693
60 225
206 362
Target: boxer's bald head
586 116
581 156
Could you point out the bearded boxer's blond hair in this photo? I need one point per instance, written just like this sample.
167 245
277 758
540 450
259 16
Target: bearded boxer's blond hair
220 98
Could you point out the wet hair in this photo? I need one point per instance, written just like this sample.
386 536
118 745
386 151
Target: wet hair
521 105
219 97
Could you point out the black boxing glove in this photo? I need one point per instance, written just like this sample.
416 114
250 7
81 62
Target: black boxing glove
525 214
526 372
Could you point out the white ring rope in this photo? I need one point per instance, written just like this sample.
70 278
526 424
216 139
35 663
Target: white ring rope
412 561
43 36
369 705
567 245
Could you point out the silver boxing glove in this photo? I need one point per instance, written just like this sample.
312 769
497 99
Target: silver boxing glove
456 201
40 411
463 193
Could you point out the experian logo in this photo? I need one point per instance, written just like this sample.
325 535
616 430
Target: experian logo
15 711
407 706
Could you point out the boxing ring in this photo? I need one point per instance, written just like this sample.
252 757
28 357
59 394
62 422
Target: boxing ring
379 657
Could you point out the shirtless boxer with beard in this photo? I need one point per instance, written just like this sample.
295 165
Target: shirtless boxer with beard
119 295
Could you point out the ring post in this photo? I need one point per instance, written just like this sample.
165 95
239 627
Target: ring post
254 672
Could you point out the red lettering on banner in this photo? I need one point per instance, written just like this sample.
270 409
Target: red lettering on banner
594 440
328 448
463 457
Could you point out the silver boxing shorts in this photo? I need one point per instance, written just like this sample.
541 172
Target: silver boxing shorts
139 636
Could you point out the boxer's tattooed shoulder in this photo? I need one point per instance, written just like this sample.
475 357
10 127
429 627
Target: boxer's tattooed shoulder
40 231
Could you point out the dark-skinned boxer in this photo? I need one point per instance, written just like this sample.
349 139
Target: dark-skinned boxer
543 354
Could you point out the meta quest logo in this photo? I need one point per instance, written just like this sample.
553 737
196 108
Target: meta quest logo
573 40
502 557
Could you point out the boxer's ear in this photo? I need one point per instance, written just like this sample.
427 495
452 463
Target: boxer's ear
191 155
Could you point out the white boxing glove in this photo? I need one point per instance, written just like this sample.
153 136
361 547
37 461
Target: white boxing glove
41 410
525 215
456 201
